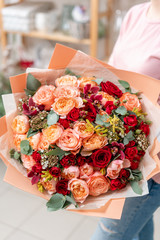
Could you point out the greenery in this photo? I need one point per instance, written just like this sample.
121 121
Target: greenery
4 89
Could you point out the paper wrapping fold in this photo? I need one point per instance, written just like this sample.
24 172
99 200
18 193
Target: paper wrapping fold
61 58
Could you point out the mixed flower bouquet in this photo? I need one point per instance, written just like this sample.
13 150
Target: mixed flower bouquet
80 136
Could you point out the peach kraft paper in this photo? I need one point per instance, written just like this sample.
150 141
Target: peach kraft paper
65 57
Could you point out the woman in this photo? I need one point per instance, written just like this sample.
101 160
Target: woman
137 49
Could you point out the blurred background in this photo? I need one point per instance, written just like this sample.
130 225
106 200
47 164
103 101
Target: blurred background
29 31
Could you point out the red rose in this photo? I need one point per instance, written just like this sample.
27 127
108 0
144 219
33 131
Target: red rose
81 160
111 89
68 160
37 168
89 161
134 164
36 156
145 128
126 129
131 120
64 122
90 111
130 144
101 157
124 173
131 153
73 115
141 153
117 184
109 107
62 187
55 171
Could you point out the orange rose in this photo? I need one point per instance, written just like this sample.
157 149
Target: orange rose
106 97
87 80
43 143
52 133
34 141
45 96
67 91
67 80
70 172
69 140
28 161
85 171
130 101
63 105
20 124
94 142
50 186
17 138
98 184
79 189
81 130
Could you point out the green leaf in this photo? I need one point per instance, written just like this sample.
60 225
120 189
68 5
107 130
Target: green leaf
32 83
125 85
52 118
57 152
29 92
71 200
136 187
26 148
69 72
121 110
56 202
129 135
98 80
11 153
101 120
125 141
31 133
66 204
16 155
137 174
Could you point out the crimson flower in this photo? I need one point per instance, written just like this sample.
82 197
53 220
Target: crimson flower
31 108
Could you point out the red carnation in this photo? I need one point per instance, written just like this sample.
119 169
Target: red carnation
90 111
68 160
131 153
111 89
36 156
64 122
109 107
145 128
130 144
124 173
101 157
134 164
62 187
81 160
55 171
37 168
117 184
131 120
73 115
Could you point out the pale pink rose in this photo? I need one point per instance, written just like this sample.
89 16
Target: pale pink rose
79 189
106 97
81 130
43 143
69 140
115 167
20 124
34 141
52 133
98 184
70 172
67 91
45 96
50 186
28 161
85 171
94 142
17 138
67 80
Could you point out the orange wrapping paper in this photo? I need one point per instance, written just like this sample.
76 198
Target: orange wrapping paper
62 56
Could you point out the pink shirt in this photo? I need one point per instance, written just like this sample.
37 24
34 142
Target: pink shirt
138 46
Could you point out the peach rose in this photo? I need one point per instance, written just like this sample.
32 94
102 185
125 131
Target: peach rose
81 130
45 96
43 143
87 80
94 142
70 172
52 133
69 140
98 184
28 161
115 167
85 171
79 189
132 101
20 124
63 105
17 138
67 91
50 186
67 80
34 141
106 97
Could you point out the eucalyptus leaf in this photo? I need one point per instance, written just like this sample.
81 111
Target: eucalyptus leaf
52 118
66 204
71 200
121 110
136 187
31 133
16 155
25 147
32 83
56 202
125 85
57 152
125 141
101 120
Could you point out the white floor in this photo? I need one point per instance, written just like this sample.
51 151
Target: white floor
24 217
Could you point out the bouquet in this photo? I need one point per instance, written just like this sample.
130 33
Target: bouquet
81 136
